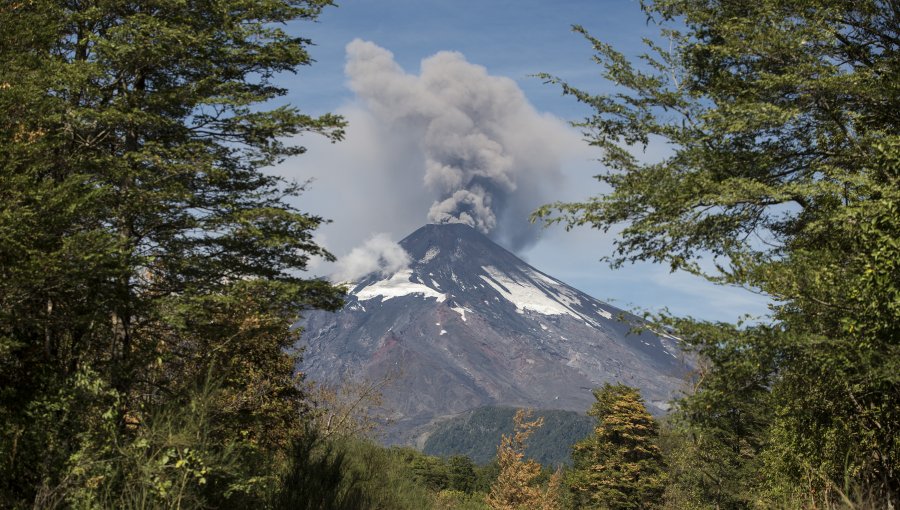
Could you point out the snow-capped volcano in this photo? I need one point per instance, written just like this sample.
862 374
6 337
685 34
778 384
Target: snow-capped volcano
469 324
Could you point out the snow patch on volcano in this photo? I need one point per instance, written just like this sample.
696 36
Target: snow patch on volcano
540 294
399 284
461 310
430 254
524 295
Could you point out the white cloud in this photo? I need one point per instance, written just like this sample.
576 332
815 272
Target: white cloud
377 254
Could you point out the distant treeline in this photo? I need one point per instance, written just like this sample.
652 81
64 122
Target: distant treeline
477 433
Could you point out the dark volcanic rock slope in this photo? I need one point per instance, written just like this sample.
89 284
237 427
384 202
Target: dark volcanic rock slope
469 324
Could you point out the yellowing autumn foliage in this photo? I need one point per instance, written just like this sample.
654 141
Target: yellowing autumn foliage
516 487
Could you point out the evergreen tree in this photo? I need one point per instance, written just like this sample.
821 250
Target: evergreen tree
782 119
620 467
142 246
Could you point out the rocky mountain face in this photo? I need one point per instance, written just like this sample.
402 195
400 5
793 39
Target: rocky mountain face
468 324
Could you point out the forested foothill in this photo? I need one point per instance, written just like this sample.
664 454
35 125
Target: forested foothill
150 268
477 433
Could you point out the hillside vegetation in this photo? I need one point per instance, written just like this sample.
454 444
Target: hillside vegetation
477 433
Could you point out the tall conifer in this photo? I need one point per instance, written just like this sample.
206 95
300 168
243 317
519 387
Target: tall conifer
620 467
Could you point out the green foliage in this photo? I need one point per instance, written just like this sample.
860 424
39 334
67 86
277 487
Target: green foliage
461 474
457 474
352 472
319 478
142 245
398 478
174 459
783 179
717 436
703 474
459 500
477 433
621 465
486 474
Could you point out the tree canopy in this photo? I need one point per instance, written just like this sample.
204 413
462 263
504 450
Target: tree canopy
620 466
144 249
782 178
516 486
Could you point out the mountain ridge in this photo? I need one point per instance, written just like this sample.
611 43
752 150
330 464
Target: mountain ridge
468 324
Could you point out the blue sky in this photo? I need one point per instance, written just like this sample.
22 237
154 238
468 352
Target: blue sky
511 38
352 183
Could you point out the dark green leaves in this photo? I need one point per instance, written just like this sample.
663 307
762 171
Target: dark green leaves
781 117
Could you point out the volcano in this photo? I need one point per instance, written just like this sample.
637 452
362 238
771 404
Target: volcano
468 324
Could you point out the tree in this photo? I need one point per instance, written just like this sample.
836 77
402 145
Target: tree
142 245
619 467
349 409
461 473
515 487
782 179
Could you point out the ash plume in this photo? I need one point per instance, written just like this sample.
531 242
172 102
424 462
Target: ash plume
489 158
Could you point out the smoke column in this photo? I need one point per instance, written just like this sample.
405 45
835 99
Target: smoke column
489 157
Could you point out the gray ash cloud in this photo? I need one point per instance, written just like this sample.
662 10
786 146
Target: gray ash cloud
489 157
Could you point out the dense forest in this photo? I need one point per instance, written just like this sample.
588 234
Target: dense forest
150 266
477 433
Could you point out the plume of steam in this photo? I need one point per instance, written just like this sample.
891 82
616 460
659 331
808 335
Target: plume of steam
378 253
489 157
